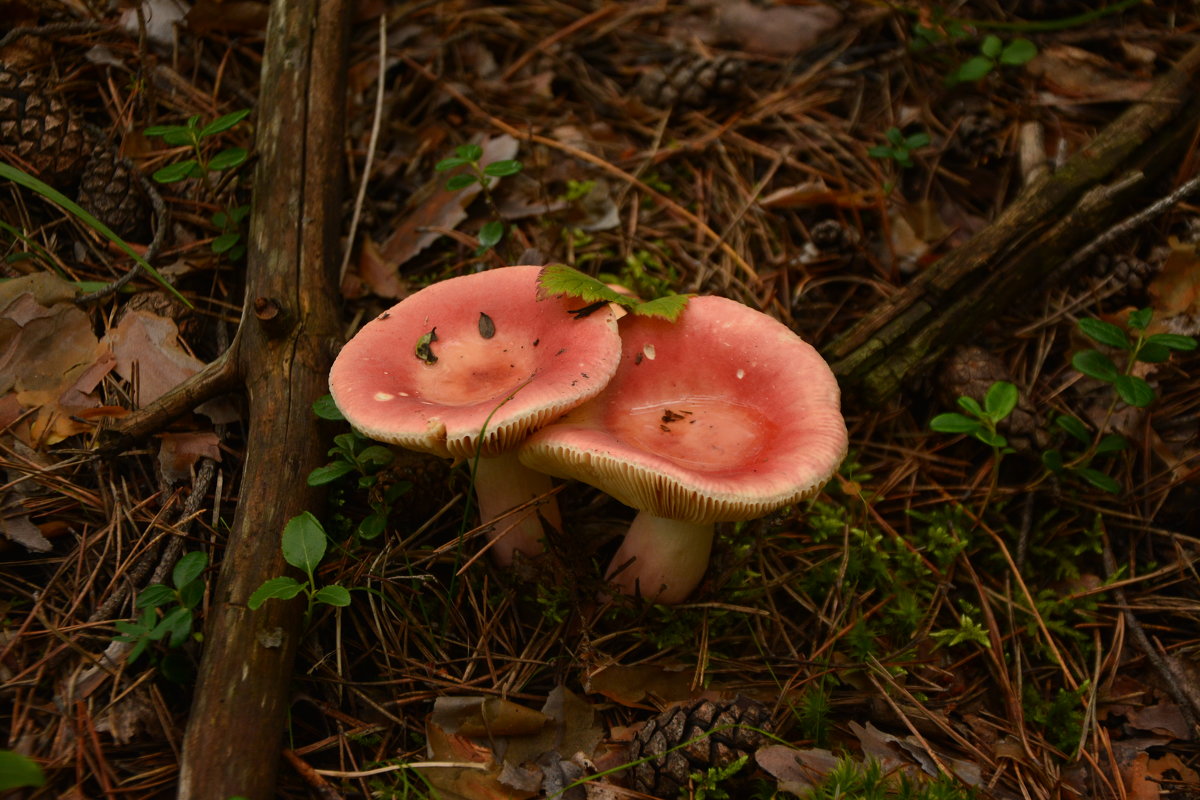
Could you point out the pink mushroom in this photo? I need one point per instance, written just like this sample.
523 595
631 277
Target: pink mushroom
724 415
472 365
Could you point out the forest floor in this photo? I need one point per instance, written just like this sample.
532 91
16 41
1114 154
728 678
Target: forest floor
1009 609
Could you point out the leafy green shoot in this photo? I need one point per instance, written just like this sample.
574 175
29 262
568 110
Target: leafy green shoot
559 280
1142 346
304 545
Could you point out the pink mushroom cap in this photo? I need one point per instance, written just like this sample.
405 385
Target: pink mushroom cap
723 415
468 352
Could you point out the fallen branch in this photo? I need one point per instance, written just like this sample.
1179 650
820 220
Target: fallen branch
1041 230
281 356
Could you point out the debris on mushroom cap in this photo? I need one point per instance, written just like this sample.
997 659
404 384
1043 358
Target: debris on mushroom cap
724 415
428 373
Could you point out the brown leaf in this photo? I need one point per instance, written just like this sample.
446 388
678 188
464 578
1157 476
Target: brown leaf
51 359
486 717
438 208
1078 75
479 776
1176 288
571 728
179 452
797 771
380 275
631 686
21 530
146 347
779 30
816 193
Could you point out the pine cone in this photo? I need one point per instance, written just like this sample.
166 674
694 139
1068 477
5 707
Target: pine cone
40 130
1126 270
112 193
723 730
831 236
692 81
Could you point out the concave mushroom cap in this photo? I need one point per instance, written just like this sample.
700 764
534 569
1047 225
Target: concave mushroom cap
431 371
723 415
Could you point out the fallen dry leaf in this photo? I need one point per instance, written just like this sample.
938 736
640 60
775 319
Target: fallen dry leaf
379 274
179 452
434 207
148 355
1078 75
486 717
796 771
1176 288
631 686
478 777
146 347
780 30
50 360
816 193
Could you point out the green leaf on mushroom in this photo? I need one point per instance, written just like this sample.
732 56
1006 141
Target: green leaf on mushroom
556 280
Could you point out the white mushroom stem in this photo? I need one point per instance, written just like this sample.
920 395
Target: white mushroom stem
501 484
668 558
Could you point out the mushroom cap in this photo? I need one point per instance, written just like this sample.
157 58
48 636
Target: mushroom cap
477 353
723 415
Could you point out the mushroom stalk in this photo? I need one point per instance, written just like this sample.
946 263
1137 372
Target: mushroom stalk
501 484
661 559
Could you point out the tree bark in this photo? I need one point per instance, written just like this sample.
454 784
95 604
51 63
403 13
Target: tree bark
1055 216
282 353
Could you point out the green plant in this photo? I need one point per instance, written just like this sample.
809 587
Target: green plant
304 545
968 632
175 603
200 165
899 147
1145 347
707 784
18 771
812 710
1060 716
468 156
559 279
356 454
993 52
867 780
981 421
1078 462
644 274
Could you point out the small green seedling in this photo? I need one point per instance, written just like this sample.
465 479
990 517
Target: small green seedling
980 421
468 155
355 454
968 632
193 135
1147 348
706 784
1078 462
175 603
993 51
304 545
899 147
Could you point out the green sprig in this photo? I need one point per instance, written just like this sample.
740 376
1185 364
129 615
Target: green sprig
559 280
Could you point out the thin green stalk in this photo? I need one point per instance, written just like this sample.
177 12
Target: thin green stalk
62 201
